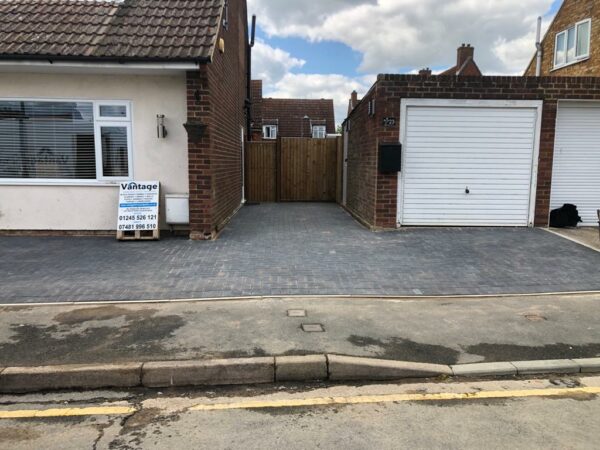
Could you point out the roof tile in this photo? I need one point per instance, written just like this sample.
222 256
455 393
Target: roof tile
131 29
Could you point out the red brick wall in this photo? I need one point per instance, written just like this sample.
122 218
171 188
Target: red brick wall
362 162
377 204
215 162
256 97
571 12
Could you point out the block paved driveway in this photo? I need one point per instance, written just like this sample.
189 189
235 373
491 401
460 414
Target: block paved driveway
296 249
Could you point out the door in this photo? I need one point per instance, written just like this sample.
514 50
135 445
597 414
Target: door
469 164
576 172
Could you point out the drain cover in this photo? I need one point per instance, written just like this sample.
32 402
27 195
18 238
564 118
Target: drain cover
296 313
313 328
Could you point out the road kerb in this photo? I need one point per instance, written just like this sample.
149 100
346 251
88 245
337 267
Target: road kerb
301 368
346 368
484 369
207 373
34 379
558 366
589 365
264 370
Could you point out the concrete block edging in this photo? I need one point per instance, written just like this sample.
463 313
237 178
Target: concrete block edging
264 370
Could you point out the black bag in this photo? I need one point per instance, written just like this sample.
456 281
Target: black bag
564 217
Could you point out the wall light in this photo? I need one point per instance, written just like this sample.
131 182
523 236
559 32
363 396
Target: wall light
160 126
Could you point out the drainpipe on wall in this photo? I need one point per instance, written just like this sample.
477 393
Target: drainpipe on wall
249 86
538 45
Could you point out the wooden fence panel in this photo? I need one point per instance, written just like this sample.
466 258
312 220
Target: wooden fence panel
260 171
293 170
308 170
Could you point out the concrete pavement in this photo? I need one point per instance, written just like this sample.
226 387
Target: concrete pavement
438 331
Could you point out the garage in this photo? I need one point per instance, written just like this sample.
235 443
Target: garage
468 162
576 171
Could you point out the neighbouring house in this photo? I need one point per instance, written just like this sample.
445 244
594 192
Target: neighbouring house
94 93
472 151
465 64
571 46
273 118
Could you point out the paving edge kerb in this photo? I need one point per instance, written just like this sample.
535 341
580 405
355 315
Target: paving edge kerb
264 370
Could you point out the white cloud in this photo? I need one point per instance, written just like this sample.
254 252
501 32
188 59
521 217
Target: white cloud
272 64
337 87
392 36
399 34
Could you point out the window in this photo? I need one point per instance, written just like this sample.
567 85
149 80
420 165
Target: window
270 131
572 45
64 140
319 131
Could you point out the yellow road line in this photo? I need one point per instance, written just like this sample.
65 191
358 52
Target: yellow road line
318 401
390 398
68 412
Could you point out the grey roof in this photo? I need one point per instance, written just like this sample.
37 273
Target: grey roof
170 30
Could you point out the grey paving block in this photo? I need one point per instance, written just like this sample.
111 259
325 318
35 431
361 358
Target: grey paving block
345 368
205 373
588 365
301 368
546 366
287 249
33 379
484 369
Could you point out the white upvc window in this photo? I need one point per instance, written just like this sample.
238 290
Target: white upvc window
319 131
270 131
573 45
65 141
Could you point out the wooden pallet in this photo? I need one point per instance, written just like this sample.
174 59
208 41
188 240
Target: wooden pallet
150 235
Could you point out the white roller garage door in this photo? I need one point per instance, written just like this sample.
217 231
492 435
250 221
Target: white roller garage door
468 165
576 173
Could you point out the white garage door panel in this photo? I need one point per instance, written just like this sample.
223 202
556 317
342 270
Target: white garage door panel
576 173
487 150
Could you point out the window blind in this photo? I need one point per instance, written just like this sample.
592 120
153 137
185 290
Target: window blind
47 140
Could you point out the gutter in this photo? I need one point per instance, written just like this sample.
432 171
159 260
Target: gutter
51 59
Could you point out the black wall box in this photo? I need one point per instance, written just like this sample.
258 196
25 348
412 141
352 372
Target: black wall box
390 158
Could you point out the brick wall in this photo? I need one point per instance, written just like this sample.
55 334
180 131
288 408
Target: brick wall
373 197
216 98
256 97
572 11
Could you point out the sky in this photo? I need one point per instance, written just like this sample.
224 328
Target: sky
328 48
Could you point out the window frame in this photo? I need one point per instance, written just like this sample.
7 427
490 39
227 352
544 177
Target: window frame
271 128
322 128
98 122
565 33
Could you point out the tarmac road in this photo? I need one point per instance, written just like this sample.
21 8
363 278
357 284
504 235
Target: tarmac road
541 413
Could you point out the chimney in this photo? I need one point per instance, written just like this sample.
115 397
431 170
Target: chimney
256 89
425 72
464 53
353 99
353 102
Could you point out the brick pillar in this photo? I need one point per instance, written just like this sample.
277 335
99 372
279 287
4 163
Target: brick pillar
199 158
546 160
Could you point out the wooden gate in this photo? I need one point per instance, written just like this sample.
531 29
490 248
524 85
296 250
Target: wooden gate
294 170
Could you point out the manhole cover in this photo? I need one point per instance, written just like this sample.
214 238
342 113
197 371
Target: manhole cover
313 328
296 313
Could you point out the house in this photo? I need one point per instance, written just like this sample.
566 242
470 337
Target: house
465 63
472 151
96 93
571 46
293 118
